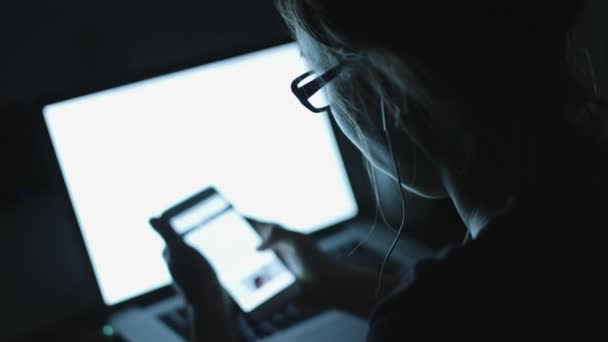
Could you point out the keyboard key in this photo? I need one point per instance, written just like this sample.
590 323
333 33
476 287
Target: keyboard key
292 311
265 328
278 319
177 323
183 313
245 329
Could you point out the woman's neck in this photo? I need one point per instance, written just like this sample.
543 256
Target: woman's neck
479 200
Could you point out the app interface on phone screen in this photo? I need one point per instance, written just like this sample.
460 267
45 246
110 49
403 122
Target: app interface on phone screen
229 242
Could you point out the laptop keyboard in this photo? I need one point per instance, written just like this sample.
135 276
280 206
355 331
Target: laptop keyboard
291 313
249 330
178 321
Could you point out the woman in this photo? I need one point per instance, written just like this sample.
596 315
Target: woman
469 100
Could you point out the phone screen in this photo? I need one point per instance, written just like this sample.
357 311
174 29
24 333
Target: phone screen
229 242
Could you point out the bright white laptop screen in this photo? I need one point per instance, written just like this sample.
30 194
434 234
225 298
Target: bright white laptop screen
131 152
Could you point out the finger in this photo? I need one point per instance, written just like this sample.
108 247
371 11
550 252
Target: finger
166 254
258 224
173 268
267 245
273 235
164 229
279 248
265 230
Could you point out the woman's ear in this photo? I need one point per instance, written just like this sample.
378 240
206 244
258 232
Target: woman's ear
412 123
445 143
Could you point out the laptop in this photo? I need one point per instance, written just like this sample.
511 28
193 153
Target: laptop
128 153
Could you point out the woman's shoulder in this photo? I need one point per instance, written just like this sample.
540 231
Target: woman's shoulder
435 294
525 271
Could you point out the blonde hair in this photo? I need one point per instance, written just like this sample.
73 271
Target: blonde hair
443 106
449 107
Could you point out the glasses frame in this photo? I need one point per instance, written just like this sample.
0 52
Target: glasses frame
306 91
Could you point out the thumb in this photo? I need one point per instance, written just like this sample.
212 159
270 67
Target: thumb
268 239
265 245
272 235
258 225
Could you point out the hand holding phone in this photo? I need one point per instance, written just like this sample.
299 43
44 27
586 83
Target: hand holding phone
195 278
209 225
193 275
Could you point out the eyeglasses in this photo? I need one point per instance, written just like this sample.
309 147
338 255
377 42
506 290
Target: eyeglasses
308 92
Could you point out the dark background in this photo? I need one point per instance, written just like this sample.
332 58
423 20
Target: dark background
53 50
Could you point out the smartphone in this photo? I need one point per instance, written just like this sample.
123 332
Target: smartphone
257 281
